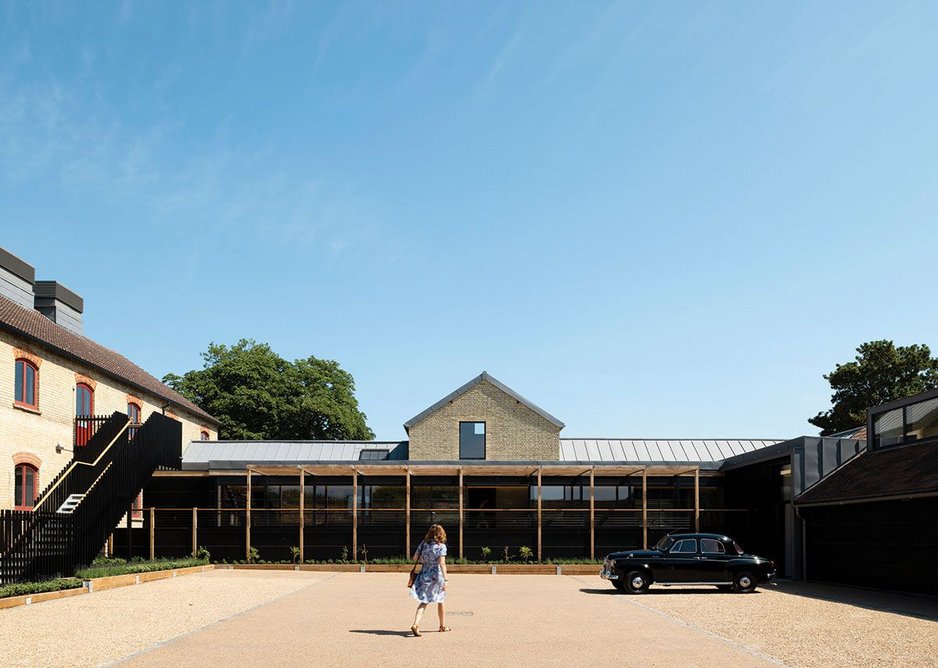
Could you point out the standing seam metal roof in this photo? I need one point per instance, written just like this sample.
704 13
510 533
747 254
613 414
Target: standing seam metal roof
655 450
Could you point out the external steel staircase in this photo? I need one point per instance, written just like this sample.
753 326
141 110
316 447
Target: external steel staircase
90 496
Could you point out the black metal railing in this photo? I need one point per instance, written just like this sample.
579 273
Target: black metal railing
85 428
109 470
34 546
132 461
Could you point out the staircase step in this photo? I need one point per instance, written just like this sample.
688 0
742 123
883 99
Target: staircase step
68 507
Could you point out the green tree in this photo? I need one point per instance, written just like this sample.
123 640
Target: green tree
256 394
881 372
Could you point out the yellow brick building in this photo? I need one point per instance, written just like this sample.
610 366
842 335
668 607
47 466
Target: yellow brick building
50 373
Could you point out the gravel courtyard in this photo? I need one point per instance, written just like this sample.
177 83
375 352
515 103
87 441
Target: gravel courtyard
241 618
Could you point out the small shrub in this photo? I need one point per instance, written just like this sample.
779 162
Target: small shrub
253 555
295 553
203 554
525 553
344 556
506 555
24 588
486 553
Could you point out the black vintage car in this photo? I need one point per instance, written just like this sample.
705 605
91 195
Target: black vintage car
688 559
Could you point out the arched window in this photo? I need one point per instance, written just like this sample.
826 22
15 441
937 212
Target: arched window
84 400
26 391
84 407
133 414
203 436
25 486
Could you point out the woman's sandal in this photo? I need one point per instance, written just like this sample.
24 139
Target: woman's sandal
444 629
416 631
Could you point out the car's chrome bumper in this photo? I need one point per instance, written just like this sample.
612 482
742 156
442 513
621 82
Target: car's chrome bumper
606 574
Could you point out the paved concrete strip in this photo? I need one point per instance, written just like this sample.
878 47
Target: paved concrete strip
362 620
107 626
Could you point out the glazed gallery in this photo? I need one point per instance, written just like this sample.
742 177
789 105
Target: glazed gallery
382 509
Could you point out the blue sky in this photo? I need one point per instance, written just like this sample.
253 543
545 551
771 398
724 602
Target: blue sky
652 219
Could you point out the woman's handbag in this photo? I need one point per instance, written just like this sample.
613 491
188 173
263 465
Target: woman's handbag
413 571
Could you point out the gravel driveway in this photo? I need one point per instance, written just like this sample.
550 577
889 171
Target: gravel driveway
236 618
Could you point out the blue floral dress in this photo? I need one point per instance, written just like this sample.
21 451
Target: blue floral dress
428 587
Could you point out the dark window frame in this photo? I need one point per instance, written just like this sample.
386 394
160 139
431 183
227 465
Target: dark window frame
22 385
485 437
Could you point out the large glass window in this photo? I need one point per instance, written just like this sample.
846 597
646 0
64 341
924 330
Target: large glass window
431 497
382 496
472 440
26 390
921 420
25 491
887 427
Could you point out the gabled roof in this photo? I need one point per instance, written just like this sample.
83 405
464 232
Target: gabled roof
35 327
483 377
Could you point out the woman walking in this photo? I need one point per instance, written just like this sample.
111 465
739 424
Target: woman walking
430 584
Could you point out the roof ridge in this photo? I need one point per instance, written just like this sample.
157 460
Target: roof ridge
31 324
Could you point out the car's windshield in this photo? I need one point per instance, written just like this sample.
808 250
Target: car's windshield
664 543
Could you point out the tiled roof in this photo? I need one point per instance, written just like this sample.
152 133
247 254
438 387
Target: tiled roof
890 472
32 325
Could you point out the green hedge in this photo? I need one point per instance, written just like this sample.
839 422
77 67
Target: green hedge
26 588
104 571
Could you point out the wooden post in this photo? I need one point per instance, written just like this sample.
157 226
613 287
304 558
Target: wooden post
539 514
354 515
645 509
247 519
302 514
697 499
461 522
110 545
592 515
152 533
195 531
407 514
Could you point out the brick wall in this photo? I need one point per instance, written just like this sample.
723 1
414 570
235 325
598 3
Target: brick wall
513 431
26 434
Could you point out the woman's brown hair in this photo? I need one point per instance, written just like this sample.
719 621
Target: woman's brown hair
435 533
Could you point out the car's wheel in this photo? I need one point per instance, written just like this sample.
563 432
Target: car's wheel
637 582
744 582
618 584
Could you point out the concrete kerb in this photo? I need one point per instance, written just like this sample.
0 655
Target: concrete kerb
101 584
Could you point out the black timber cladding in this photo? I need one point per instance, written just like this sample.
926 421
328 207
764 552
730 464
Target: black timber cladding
16 266
54 290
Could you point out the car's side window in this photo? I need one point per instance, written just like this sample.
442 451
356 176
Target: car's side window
685 546
711 546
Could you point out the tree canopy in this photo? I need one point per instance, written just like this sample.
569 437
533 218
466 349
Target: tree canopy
881 372
258 395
